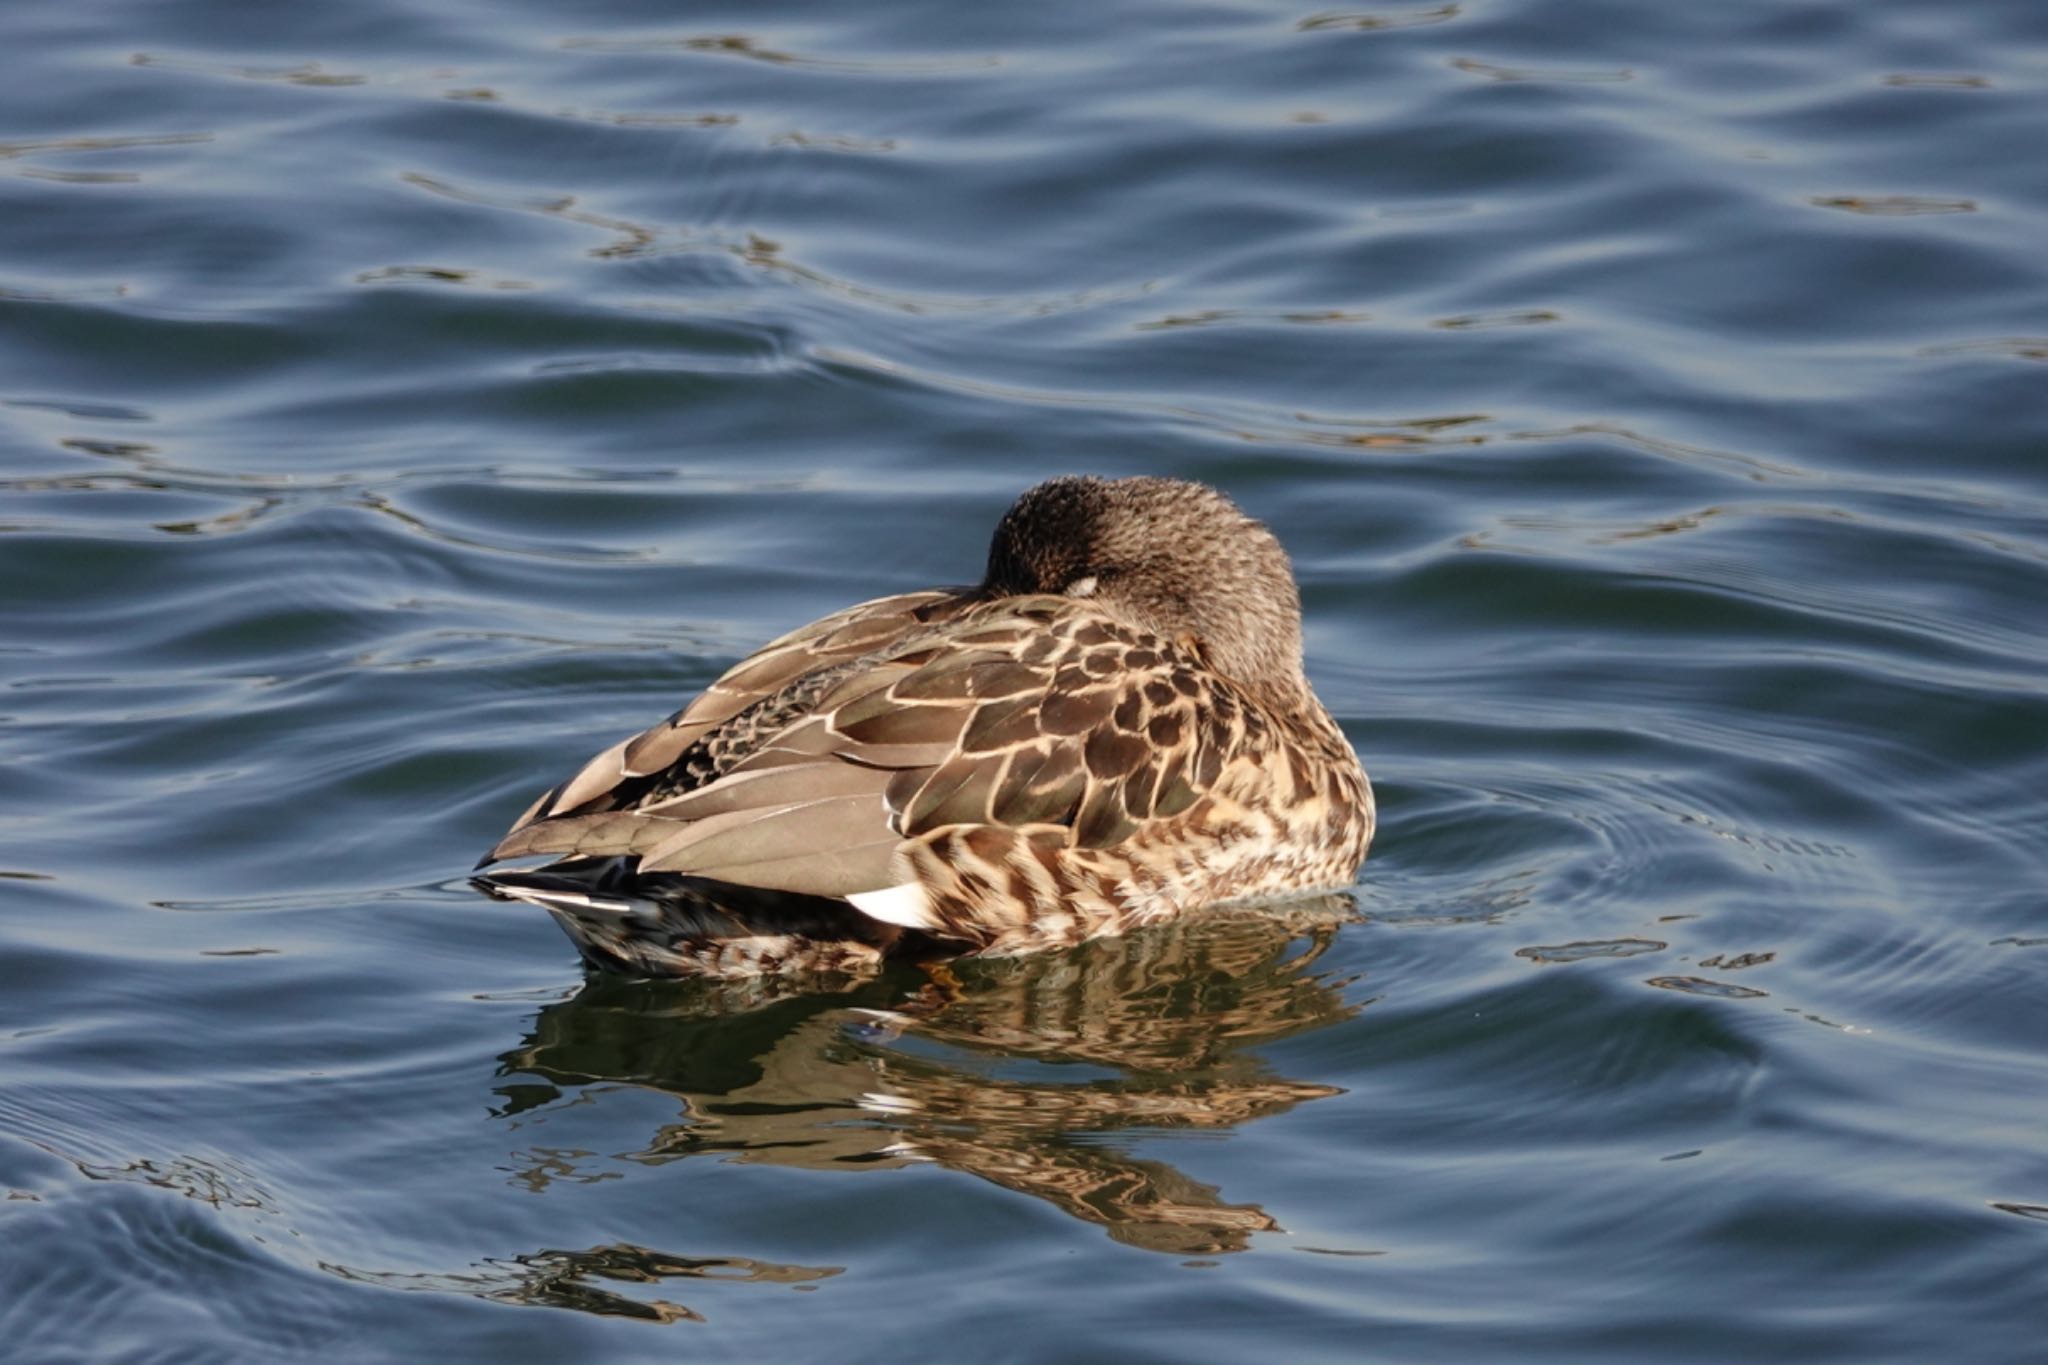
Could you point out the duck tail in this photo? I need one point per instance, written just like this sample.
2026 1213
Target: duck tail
666 924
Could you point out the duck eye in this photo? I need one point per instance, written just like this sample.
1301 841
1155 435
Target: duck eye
1083 586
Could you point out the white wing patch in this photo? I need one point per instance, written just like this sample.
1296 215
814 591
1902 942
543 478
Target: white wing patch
904 905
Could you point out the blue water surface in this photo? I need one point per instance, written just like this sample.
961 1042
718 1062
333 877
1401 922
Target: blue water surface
400 401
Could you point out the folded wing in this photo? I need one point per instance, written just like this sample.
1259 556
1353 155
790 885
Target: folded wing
806 766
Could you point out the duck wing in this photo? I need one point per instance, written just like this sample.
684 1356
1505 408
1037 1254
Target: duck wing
1040 714
696 743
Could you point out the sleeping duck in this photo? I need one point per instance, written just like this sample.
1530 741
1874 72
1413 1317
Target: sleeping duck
1110 728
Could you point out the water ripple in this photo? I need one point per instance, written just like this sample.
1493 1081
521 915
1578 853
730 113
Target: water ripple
404 402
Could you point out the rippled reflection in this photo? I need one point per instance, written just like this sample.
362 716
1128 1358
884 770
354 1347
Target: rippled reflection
961 1072
571 1279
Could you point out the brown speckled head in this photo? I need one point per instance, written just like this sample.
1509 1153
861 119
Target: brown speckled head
1170 557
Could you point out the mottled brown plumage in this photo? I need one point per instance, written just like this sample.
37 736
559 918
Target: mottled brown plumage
1111 727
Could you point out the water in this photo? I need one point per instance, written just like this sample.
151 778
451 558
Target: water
399 401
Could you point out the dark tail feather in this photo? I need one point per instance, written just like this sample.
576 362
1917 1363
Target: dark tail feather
664 924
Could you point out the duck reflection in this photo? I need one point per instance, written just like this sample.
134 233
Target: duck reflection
581 1279
971 1064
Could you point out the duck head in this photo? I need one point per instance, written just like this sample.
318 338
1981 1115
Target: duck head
1174 558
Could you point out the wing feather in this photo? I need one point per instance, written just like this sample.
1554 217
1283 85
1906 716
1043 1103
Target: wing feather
832 846
895 719
836 639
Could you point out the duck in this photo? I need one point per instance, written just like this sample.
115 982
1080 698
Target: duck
1112 728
